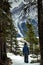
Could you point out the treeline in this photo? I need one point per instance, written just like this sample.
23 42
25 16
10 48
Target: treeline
8 31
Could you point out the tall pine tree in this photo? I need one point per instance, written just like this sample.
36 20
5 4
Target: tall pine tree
6 28
4 11
31 37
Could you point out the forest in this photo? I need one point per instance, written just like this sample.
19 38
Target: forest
21 22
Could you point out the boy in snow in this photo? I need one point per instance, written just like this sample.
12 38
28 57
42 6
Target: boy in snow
25 52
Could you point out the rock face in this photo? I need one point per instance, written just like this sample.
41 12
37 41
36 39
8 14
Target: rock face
20 17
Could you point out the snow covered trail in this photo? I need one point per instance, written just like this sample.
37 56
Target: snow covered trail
19 60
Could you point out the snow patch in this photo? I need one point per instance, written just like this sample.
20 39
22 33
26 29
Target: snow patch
19 60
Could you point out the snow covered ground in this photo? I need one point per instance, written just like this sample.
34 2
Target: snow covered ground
19 60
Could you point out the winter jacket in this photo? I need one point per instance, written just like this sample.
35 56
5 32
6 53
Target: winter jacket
25 50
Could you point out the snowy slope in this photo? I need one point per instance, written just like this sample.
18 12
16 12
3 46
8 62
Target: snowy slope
20 17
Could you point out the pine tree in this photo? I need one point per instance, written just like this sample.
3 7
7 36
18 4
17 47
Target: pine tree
31 37
4 22
15 45
13 39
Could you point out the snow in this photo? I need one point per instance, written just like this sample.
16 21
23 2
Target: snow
19 16
19 60
16 3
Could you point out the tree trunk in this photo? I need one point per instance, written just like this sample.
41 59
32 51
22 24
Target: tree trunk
40 26
3 55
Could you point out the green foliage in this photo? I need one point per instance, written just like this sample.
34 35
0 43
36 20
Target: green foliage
6 25
30 33
31 37
5 6
4 19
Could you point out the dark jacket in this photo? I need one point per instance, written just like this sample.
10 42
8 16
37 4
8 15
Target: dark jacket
25 50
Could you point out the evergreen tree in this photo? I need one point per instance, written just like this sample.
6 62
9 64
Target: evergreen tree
15 45
31 37
6 28
13 38
6 25
3 20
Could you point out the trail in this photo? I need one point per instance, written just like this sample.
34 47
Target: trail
19 60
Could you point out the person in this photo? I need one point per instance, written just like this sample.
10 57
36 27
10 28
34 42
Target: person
25 52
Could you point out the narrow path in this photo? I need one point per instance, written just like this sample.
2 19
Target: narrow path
15 62
19 60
